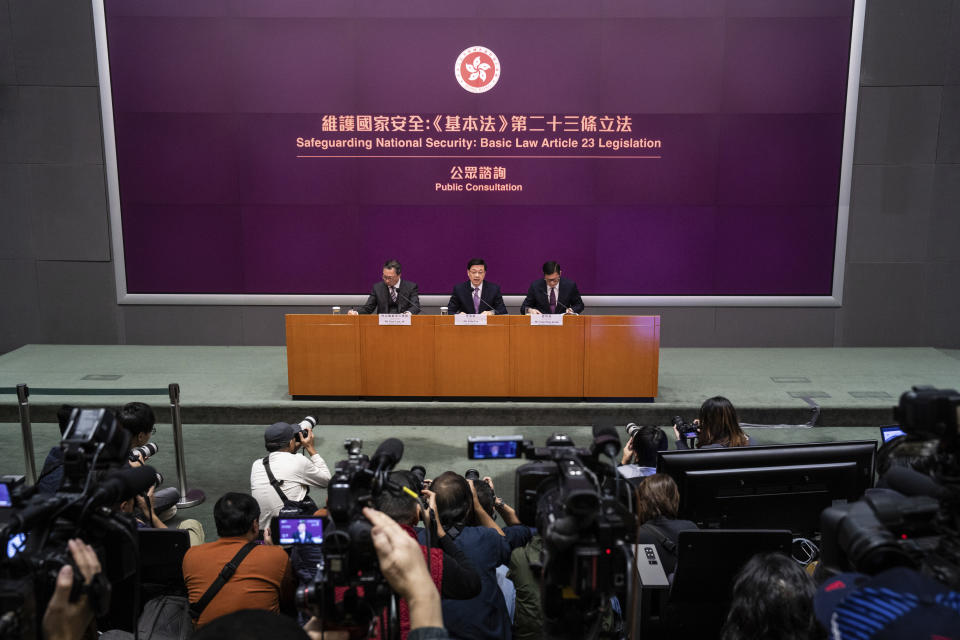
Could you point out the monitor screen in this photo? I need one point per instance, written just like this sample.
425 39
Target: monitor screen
889 433
777 486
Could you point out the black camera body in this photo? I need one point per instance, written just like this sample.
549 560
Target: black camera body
588 528
921 530
38 526
688 430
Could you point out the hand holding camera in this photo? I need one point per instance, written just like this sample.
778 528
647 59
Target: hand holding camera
305 436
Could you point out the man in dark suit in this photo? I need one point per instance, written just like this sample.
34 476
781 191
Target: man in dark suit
393 295
553 294
475 295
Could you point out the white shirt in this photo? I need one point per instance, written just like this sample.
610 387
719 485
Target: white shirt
296 472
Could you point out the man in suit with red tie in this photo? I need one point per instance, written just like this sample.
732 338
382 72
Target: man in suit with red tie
552 294
475 295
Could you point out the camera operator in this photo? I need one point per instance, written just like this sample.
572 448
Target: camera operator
138 419
487 547
263 578
67 618
639 458
295 473
717 426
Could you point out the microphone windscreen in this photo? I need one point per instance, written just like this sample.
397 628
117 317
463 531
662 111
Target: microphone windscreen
910 482
389 452
123 485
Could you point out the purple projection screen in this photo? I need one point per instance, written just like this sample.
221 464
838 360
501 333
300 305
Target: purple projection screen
663 151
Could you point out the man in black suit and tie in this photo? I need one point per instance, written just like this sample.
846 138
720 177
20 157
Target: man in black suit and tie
393 295
553 294
475 295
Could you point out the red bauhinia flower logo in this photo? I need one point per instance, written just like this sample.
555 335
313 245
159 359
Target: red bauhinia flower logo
477 69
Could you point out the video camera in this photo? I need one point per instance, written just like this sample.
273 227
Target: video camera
586 517
37 526
347 557
916 523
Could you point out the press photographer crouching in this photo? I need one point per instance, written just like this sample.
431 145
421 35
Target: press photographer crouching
292 474
717 427
139 420
639 458
891 561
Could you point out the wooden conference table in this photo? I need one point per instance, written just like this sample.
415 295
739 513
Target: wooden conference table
587 357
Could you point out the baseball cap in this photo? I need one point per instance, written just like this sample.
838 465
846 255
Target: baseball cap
896 603
279 433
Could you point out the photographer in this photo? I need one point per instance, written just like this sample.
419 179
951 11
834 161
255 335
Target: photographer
263 579
487 547
639 458
295 473
717 427
138 419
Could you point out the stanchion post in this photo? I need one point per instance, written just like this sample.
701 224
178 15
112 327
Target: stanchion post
187 498
23 403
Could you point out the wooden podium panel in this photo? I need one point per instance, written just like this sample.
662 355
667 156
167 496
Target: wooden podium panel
323 355
397 361
622 356
546 362
472 361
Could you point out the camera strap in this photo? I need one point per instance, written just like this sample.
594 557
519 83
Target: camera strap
225 574
276 483
665 542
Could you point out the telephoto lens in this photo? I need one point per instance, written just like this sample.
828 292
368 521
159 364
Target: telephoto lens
305 425
146 451
632 428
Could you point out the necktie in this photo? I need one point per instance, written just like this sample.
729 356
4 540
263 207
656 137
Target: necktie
553 299
393 293
476 299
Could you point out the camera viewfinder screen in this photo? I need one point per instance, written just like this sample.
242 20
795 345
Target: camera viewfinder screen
84 425
889 433
495 449
301 530
5 496
16 544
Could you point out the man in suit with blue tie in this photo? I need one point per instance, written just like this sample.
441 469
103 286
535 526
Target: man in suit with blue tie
553 294
475 295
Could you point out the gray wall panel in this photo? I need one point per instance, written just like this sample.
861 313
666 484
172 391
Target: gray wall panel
53 42
77 302
9 124
60 124
905 42
8 72
182 325
890 213
953 47
68 202
774 327
20 319
883 305
942 305
267 325
16 229
948 146
945 213
897 125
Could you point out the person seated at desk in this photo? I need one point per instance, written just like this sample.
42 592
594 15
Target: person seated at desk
553 294
475 295
717 427
392 295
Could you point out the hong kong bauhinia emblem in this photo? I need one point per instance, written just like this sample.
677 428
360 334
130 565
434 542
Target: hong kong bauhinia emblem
477 69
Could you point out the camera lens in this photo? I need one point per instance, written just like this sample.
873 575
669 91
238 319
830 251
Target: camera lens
472 474
632 428
308 423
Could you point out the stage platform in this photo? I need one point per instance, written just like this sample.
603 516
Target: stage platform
248 385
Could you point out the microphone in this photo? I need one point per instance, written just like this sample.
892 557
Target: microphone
123 485
605 440
412 304
388 454
910 482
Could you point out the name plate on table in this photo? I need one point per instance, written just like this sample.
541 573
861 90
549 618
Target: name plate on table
394 319
546 320
470 320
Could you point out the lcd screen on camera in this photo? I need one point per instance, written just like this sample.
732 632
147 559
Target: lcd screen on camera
84 424
16 544
5 496
307 530
692 433
494 449
889 433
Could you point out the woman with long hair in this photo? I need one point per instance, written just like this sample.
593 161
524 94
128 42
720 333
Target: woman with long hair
717 426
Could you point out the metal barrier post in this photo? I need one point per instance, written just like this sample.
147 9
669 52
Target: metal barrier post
23 393
187 498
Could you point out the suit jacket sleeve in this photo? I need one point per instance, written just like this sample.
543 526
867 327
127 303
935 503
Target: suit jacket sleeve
530 302
453 306
412 297
371 304
496 301
576 302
